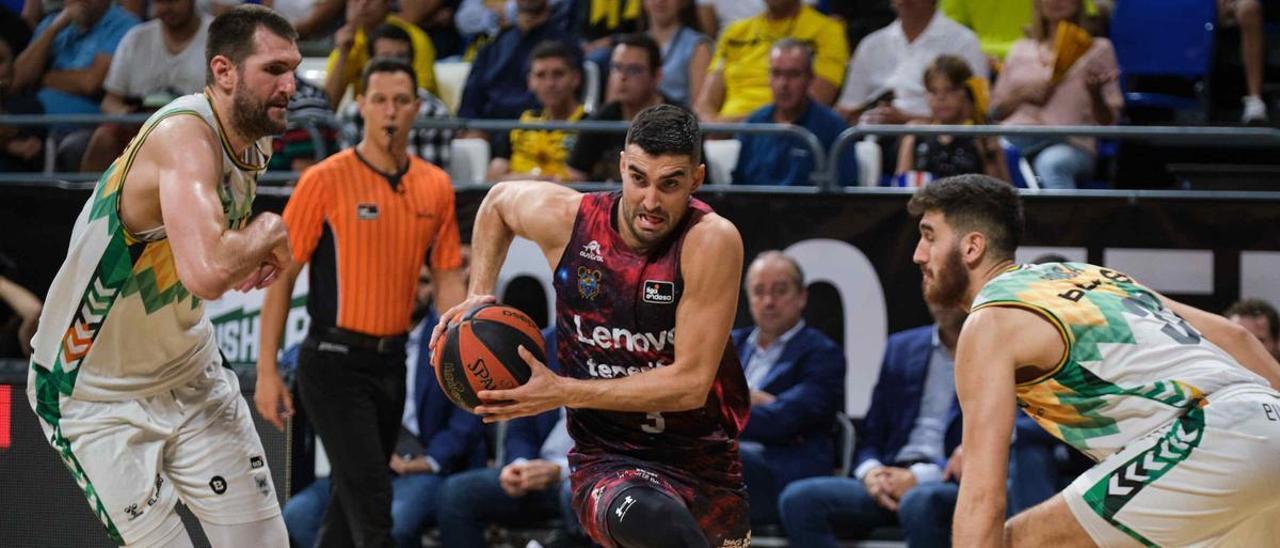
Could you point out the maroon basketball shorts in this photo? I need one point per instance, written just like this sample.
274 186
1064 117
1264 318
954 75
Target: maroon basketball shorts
721 512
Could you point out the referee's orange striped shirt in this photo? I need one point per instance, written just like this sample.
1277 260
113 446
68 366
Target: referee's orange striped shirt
366 239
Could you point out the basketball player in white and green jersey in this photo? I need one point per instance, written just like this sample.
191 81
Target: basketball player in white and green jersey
1175 404
126 377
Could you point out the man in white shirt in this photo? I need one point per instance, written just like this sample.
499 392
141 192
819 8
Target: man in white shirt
156 62
893 59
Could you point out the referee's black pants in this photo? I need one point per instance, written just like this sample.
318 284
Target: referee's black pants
354 399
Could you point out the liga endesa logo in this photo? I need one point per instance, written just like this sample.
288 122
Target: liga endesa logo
659 292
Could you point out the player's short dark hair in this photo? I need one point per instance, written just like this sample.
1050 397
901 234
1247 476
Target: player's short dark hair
387 31
666 130
975 203
647 43
231 34
555 49
388 64
1254 308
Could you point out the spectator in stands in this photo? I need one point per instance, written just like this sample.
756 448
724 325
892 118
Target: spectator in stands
738 83
21 148
67 63
1259 317
715 15
351 48
437 439
796 377
69 58
496 87
998 23
430 144
885 82
686 52
303 142
156 62
635 70
532 486
1247 14
19 313
555 75
1040 87
901 466
784 160
956 97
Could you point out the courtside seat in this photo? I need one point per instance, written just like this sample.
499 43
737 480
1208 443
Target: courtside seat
468 161
722 157
451 77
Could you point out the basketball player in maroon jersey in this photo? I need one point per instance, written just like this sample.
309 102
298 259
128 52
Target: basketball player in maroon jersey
646 286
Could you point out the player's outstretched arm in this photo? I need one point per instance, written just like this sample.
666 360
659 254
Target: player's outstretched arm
210 257
539 211
1230 337
994 342
711 266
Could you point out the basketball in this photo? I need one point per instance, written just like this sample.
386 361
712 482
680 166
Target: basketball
480 353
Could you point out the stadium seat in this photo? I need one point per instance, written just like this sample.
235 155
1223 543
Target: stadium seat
722 157
468 160
846 436
451 77
1165 38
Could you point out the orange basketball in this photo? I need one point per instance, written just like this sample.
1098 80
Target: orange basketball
479 353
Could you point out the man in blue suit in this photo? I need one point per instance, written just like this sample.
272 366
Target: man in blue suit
531 487
796 376
437 439
903 475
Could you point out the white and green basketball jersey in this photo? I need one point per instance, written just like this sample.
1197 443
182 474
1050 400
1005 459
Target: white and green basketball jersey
117 322
1131 365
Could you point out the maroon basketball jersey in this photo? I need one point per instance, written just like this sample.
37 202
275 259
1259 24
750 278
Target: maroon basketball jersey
616 316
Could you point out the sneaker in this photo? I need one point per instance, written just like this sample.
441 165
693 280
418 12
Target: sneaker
1255 111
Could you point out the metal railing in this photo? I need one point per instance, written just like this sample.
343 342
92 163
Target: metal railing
1209 136
825 176
312 122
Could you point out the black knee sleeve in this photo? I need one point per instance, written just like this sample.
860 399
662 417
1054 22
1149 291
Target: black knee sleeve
642 517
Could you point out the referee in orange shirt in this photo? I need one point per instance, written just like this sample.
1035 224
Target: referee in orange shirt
365 219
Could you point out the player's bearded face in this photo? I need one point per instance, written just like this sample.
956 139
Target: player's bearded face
259 116
649 223
946 283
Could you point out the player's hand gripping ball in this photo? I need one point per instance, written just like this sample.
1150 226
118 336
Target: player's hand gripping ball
480 353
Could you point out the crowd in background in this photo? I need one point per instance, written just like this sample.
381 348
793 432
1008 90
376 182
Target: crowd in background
823 65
